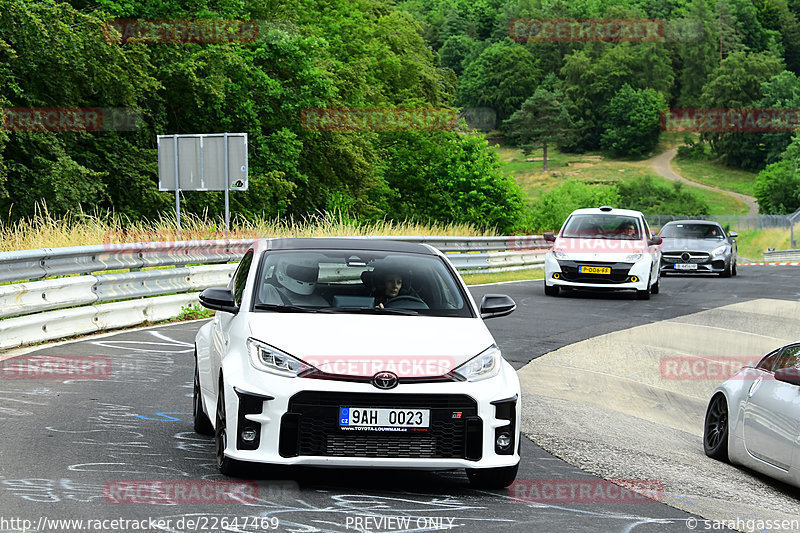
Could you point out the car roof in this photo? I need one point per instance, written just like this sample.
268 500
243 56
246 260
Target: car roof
344 243
607 211
707 222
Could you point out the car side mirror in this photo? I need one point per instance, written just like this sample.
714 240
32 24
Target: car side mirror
788 375
655 241
549 236
497 305
219 299
733 234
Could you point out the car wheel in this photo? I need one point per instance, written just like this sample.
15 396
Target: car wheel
202 424
645 294
715 434
733 269
492 478
551 290
655 288
226 465
727 272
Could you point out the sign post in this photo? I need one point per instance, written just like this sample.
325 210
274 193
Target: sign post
203 162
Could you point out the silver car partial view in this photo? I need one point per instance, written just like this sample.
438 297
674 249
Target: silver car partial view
697 246
753 419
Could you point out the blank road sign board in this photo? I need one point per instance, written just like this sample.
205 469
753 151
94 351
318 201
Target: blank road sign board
201 162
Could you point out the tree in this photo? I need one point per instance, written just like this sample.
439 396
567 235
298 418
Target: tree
502 77
699 54
594 75
449 177
737 84
633 121
780 92
542 120
454 50
778 185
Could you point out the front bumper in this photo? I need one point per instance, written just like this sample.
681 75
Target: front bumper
703 263
297 421
624 276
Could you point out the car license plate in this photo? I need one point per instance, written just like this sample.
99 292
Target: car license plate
586 269
685 266
383 418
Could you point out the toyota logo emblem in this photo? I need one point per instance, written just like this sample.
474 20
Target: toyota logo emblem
385 380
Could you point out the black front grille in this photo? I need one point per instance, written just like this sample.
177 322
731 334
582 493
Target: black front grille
312 427
619 272
690 257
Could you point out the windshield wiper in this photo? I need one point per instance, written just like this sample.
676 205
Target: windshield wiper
369 310
285 308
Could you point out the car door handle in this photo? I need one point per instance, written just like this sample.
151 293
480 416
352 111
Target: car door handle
754 387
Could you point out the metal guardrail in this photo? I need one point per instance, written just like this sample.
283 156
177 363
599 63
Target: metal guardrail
782 256
89 300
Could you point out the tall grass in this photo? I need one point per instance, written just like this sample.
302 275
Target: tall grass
44 230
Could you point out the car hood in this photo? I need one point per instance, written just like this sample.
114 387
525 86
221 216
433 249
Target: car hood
681 244
616 250
362 345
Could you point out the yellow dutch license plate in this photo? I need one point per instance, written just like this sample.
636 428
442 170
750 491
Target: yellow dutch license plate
585 269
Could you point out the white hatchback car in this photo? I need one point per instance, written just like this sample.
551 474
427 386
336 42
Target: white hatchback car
355 352
604 249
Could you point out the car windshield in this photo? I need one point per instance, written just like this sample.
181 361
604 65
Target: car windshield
357 281
599 226
692 231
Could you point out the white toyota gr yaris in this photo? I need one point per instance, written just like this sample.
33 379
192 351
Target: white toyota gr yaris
355 352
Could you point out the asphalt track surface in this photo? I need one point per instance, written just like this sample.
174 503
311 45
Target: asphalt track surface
66 443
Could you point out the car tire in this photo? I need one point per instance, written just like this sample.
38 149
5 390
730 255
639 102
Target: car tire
202 424
727 272
551 290
655 288
645 294
226 465
733 269
715 429
492 478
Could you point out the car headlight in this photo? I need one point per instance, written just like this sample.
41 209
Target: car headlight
719 250
633 258
268 359
560 254
483 366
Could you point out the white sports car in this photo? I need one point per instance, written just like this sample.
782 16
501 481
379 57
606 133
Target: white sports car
753 419
355 352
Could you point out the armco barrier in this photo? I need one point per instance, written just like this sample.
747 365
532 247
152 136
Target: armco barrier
91 299
782 256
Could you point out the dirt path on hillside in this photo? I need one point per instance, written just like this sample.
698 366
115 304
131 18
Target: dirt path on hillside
661 164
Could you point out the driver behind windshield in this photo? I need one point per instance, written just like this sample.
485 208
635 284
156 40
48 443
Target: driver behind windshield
627 230
389 285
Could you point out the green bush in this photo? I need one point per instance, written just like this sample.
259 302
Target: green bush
549 213
648 196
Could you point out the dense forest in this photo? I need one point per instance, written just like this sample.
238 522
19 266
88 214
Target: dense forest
461 54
